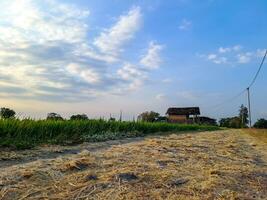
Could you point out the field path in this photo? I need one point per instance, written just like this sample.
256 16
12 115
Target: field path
229 164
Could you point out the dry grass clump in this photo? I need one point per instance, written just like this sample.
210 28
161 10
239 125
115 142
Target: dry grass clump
215 165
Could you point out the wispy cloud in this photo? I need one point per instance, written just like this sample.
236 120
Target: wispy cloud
185 25
152 59
160 96
112 40
167 80
232 55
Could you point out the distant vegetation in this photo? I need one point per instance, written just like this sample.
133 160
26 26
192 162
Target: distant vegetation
148 116
240 121
6 113
79 117
261 123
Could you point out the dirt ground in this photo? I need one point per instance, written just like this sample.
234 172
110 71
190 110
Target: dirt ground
228 164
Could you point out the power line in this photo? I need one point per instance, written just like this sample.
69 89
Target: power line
216 107
256 75
243 91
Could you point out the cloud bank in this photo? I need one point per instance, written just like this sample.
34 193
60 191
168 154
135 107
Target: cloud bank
45 53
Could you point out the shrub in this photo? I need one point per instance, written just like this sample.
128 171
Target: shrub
148 116
261 123
7 113
79 117
53 116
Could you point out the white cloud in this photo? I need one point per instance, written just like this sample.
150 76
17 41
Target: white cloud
151 59
260 52
229 49
224 50
86 74
244 58
232 55
133 76
167 80
25 21
160 96
112 40
45 53
217 59
185 25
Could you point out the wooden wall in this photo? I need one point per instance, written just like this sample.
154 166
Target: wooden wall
178 118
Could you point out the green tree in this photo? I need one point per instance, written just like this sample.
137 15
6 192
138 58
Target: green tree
53 116
243 115
260 123
230 122
6 113
79 117
148 116
235 122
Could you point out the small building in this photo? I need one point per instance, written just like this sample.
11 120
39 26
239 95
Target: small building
207 121
187 115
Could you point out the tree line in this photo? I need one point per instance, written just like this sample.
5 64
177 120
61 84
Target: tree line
239 121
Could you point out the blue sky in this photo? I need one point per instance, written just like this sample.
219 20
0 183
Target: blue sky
99 57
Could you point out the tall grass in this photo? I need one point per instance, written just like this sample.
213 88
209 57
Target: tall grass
29 133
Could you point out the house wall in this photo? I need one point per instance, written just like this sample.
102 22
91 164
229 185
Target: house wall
178 119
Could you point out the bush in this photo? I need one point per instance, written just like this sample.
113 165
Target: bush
231 122
7 113
79 117
53 116
261 123
148 116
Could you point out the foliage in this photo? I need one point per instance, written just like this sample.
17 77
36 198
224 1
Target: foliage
230 122
261 123
148 116
112 119
243 115
28 133
53 116
79 117
7 113
239 121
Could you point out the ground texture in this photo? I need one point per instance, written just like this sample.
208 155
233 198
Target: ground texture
229 164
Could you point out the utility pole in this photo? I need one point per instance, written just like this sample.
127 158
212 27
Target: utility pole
120 116
249 111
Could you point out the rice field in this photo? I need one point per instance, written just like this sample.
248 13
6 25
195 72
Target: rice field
22 134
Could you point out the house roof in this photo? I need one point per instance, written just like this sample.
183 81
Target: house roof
183 111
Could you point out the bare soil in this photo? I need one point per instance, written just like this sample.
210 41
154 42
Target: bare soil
229 164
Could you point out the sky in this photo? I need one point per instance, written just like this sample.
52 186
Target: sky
101 57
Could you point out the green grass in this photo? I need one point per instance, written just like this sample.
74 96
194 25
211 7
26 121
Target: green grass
23 134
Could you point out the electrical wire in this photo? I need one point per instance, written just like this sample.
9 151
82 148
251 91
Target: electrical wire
256 75
243 91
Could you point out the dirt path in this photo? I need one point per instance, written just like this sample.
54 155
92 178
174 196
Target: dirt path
209 165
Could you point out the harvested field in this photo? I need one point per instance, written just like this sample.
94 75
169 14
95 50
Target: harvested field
228 164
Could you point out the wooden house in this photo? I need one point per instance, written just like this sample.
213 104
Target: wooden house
187 115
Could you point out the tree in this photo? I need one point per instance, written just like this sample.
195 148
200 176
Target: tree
230 122
235 122
7 113
79 117
261 123
224 122
148 116
243 115
53 116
